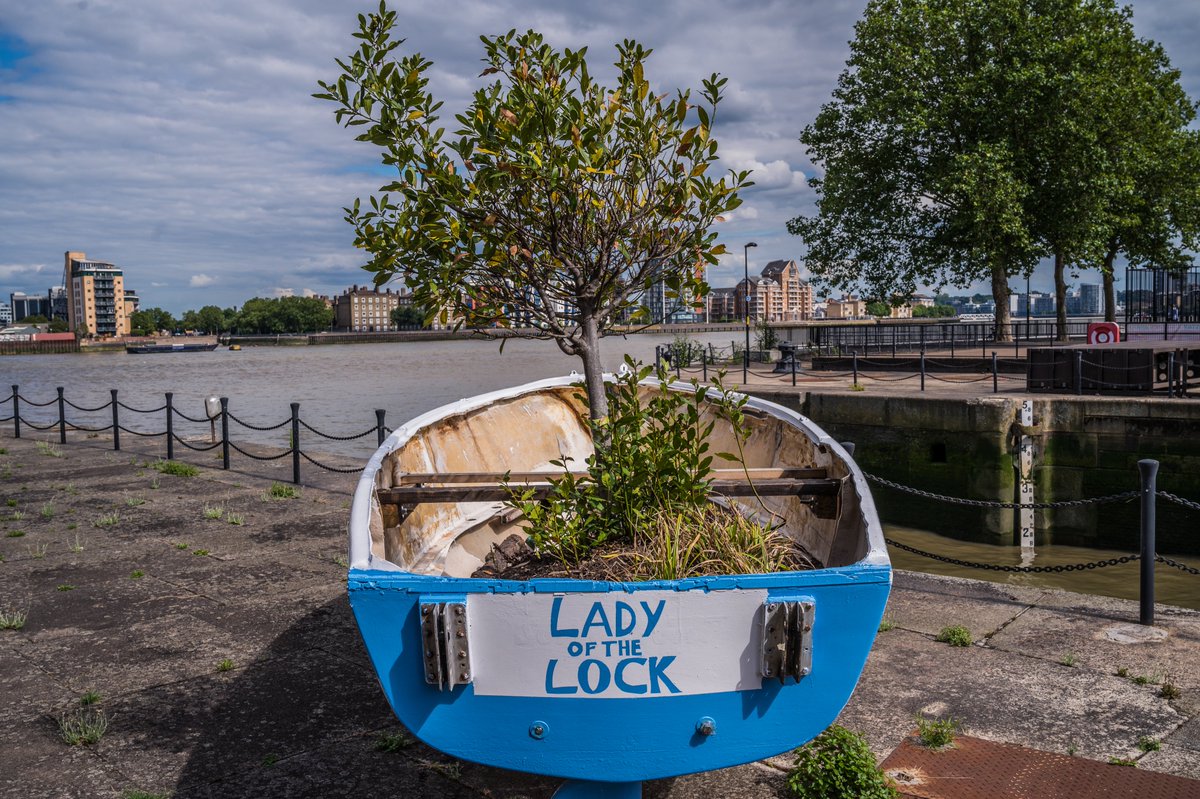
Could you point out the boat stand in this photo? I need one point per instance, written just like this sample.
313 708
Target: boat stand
589 789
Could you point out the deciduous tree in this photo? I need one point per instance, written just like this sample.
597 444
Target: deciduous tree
556 201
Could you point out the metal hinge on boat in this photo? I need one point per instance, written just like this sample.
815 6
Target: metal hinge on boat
445 651
787 639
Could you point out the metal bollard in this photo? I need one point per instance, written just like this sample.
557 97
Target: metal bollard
16 412
62 417
856 368
1170 375
995 376
116 422
170 429
224 432
922 370
380 427
296 443
1078 372
793 368
1148 470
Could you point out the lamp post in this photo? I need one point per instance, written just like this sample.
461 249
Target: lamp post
746 309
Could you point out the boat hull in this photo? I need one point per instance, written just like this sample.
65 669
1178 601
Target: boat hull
612 682
623 740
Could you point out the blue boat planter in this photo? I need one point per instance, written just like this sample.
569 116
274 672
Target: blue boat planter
605 684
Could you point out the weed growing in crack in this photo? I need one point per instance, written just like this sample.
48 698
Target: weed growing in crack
175 468
48 449
213 511
281 491
393 742
225 664
235 518
82 726
937 733
955 635
107 520
91 697
12 618
1148 744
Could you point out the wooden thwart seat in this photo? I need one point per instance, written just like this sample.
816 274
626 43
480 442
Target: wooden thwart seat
415 488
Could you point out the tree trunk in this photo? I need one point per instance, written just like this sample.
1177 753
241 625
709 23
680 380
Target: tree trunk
1000 297
593 370
1110 293
1060 294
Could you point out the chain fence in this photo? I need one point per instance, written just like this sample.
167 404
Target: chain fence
1125 496
224 441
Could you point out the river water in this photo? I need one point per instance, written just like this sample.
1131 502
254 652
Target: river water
339 388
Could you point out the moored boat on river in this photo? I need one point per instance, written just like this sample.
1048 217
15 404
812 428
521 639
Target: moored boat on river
602 681
142 349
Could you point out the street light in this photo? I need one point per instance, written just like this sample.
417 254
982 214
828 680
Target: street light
746 309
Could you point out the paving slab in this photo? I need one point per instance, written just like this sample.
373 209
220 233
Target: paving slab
300 712
928 603
1001 696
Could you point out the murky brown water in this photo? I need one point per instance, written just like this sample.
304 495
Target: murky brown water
339 388
1172 586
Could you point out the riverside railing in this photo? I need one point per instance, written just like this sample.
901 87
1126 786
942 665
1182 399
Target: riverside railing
924 368
224 417
954 336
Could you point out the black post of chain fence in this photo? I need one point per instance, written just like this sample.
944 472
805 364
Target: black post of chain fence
296 443
995 376
1170 375
1148 469
856 368
678 358
922 368
380 427
951 341
62 417
116 422
170 429
224 432
794 356
704 363
1078 372
16 412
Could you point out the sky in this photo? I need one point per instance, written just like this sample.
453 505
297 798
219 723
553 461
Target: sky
179 140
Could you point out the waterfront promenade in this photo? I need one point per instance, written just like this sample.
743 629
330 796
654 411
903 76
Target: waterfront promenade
227 662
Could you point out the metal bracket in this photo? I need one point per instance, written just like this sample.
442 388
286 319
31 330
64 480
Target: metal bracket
787 638
444 645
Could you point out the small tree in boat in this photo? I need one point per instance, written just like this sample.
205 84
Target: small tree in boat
555 204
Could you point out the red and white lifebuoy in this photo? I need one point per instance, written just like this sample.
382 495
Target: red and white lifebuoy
1103 333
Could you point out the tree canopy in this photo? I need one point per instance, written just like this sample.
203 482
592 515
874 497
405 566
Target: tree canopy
967 141
149 321
555 203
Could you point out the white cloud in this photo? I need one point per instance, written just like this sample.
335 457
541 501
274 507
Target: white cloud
201 280
283 292
192 128
309 293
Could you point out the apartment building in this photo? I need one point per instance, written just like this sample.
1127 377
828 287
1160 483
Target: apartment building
779 295
95 296
360 309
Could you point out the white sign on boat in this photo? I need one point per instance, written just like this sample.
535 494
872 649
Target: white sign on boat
640 644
